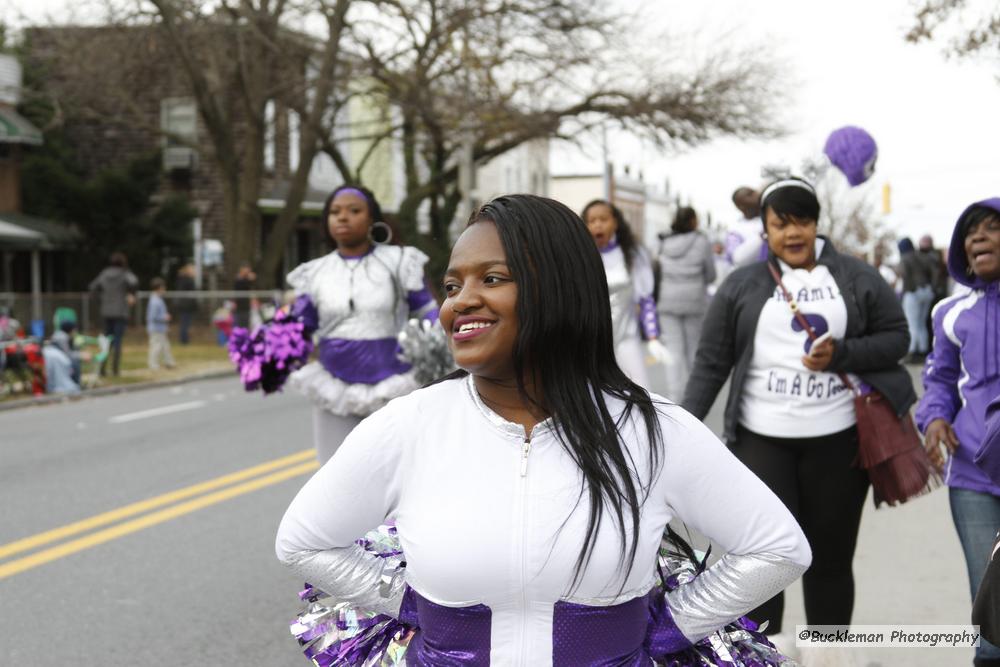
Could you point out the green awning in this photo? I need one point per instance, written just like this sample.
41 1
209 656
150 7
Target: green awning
14 129
26 232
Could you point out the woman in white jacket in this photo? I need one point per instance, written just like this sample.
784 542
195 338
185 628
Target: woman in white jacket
629 271
531 489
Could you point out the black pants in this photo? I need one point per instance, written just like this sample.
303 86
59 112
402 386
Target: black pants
818 483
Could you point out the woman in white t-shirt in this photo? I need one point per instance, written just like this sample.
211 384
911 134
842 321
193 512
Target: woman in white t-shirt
789 417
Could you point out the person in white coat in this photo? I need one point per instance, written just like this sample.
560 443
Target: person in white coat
629 270
530 490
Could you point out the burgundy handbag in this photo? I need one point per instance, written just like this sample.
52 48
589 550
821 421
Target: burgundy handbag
889 447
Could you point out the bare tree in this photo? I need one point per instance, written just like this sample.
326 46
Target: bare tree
967 29
493 74
849 216
481 75
234 58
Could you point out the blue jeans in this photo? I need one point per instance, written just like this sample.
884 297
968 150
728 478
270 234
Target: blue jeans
977 519
185 328
916 306
114 327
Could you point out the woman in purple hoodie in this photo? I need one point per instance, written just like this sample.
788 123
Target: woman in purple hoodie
961 377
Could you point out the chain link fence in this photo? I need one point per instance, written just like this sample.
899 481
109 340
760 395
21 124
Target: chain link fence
203 314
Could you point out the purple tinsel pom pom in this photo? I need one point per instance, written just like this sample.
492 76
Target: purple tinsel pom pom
853 151
268 355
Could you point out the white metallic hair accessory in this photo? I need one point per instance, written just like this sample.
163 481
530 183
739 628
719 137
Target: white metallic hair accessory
786 183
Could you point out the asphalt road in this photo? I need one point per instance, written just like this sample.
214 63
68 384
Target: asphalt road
203 588
191 579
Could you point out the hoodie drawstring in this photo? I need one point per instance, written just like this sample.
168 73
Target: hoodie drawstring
991 336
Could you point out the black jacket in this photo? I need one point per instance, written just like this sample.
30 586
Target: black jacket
876 338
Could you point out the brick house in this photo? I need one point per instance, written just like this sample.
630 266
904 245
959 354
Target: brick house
145 105
34 252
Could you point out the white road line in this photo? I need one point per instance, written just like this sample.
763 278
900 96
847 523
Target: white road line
156 412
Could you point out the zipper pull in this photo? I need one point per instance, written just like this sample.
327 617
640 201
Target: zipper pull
525 448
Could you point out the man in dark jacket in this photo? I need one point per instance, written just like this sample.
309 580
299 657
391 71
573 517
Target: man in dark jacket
917 272
939 277
116 286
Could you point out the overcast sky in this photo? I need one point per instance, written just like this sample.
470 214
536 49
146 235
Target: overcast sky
935 120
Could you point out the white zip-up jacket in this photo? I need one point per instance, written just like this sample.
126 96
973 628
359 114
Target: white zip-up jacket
488 516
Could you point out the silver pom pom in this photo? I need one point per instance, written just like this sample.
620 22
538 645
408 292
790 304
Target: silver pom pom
425 347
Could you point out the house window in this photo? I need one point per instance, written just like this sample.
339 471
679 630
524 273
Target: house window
179 121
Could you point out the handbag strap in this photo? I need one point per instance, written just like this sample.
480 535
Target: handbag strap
801 319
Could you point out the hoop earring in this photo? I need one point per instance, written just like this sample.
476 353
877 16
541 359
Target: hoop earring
385 227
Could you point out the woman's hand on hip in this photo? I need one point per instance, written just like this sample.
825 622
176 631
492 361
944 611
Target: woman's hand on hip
939 433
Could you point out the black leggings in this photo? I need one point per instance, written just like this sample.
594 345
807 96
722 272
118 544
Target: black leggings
817 481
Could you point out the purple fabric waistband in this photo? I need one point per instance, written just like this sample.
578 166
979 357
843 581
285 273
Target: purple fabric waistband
361 361
454 636
629 634
587 635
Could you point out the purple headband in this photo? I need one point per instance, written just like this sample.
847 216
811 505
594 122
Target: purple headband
354 191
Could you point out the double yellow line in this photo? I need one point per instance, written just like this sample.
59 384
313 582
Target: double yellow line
195 497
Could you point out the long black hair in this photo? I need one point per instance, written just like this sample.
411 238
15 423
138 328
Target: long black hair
685 220
624 235
565 342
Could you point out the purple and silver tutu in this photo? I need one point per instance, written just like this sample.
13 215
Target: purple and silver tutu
349 398
339 634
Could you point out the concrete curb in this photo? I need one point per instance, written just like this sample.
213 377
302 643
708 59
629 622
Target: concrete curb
115 389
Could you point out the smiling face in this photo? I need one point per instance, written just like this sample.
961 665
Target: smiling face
479 313
601 224
349 221
982 247
792 240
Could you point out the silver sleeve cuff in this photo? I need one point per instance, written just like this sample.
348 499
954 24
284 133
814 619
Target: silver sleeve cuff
727 590
352 574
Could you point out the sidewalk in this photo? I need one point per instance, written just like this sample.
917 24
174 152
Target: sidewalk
196 361
908 568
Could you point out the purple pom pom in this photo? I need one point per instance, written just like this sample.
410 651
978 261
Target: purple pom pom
853 151
266 357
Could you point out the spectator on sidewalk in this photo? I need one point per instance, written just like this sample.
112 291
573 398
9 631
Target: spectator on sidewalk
744 243
64 338
245 282
58 371
917 274
961 378
9 327
116 286
157 319
887 272
185 306
939 278
687 268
